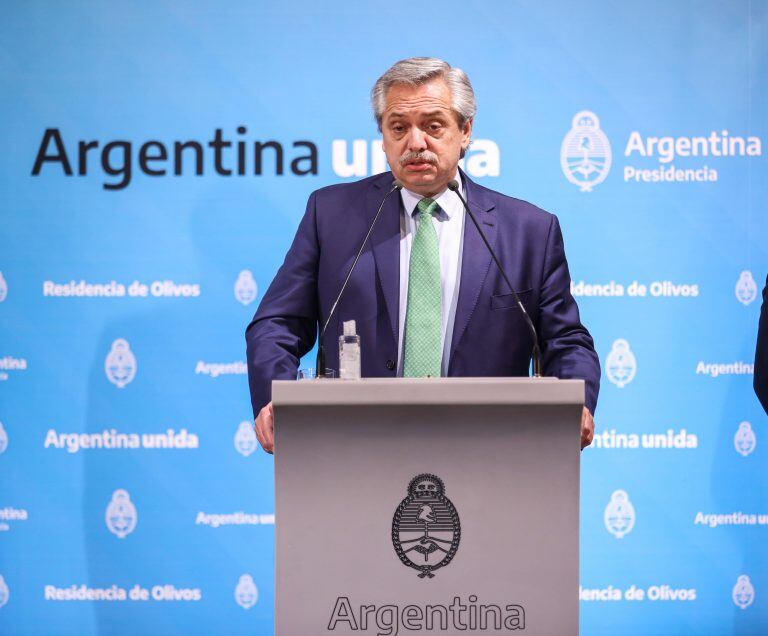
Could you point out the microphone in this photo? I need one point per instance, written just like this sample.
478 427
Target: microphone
453 185
320 363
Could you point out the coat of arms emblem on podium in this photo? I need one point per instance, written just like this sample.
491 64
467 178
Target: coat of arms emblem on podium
426 528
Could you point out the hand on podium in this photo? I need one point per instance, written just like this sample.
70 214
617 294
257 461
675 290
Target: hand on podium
587 428
264 425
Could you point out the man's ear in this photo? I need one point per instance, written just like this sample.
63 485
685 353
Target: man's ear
466 134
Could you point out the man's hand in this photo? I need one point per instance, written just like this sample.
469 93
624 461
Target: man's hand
264 425
587 428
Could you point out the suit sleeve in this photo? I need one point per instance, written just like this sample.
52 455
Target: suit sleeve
761 353
567 349
284 327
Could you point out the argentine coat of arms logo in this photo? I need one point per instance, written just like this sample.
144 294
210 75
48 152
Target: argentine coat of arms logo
585 154
426 528
120 364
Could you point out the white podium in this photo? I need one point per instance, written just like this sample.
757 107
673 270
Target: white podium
442 505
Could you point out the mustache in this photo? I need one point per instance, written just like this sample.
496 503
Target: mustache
423 156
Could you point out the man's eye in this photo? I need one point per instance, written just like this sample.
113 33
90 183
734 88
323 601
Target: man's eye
435 127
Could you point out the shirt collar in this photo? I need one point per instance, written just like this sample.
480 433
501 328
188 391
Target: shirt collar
410 199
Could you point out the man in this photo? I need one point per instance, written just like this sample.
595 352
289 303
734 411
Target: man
761 353
425 294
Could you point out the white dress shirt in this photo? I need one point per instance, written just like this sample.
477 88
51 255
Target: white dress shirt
449 225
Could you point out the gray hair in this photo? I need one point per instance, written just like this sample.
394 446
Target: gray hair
416 71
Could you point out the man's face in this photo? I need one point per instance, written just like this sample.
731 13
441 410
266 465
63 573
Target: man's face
422 137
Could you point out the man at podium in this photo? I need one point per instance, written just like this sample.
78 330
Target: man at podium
427 295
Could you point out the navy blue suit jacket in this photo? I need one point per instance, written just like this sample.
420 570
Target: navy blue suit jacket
490 336
761 352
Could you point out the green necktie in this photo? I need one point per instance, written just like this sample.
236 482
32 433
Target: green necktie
422 353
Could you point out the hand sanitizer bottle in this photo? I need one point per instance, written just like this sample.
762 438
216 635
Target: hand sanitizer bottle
349 352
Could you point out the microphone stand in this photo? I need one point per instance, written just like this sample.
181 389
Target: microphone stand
320 362
454 186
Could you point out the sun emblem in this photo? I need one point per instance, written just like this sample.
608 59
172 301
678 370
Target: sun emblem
426 528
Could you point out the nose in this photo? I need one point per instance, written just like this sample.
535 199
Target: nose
417 139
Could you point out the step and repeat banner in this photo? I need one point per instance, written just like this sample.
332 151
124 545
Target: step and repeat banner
156 160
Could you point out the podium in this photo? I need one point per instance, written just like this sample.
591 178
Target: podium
441 505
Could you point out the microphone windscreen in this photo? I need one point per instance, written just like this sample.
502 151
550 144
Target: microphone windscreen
397 184
453 185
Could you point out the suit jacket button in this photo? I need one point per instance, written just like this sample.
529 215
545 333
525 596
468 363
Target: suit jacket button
390 364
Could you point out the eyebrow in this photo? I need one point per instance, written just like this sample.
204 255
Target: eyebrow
435 113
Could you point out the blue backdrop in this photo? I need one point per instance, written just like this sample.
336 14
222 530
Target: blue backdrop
132 499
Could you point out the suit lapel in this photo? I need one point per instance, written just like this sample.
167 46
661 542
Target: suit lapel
386 244
475 258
